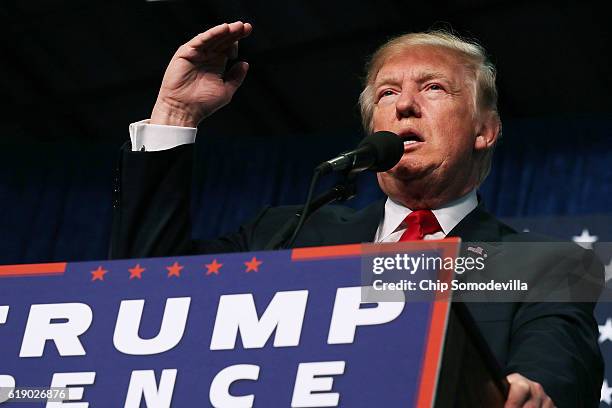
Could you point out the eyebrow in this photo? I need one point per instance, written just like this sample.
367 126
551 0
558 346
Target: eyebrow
421 77
429 75
387 79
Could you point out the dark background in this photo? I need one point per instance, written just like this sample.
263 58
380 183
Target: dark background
74 74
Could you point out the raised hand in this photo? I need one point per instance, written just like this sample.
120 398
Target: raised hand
196 83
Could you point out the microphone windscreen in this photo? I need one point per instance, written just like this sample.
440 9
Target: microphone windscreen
389 149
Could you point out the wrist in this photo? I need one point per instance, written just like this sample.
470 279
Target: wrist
172 114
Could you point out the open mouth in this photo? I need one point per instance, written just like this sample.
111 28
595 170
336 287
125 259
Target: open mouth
411 138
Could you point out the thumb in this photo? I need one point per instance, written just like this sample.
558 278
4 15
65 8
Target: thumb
235 76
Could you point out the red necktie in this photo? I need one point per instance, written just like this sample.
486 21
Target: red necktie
418 224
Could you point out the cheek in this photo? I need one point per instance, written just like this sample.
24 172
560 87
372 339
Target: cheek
456 129
381 117
376 119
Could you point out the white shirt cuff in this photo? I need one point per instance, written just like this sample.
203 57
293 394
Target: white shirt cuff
151 138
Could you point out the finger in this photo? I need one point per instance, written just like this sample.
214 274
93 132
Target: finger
210 37
240 29
548 403
519 392
217 41
230 33
219 34
196 56
235 76
237 33
517 398
537 393
239 26
232 51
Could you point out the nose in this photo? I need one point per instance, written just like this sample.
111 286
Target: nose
407 106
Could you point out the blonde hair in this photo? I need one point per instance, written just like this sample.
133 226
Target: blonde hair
472 53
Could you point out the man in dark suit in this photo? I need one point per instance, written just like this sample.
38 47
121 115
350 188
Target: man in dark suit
437 92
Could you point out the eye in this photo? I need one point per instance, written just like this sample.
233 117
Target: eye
386 92
434 87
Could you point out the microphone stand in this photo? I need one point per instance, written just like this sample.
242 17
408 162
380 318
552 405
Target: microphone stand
378 151
343 191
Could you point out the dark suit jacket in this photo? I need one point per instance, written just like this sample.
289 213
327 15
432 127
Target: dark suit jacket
554 344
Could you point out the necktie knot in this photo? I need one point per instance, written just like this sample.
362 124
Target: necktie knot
418 224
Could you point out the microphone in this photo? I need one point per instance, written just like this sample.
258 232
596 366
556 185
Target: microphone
379 151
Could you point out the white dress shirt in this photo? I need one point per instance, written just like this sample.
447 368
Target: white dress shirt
151 138
147 137
391 229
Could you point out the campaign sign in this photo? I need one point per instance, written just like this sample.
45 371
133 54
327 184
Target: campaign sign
264 329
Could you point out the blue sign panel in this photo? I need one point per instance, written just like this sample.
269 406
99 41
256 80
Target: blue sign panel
267 329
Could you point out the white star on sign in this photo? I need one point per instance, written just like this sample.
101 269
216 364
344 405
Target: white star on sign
608 269
605 331
585 239
606 393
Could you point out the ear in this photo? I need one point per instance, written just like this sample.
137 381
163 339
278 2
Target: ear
488 131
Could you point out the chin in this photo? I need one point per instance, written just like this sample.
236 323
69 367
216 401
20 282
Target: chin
396 180
406 173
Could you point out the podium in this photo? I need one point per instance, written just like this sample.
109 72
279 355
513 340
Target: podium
265 329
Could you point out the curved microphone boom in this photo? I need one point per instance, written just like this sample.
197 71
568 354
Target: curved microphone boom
379 151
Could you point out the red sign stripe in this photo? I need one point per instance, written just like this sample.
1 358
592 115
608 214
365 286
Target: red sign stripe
56 268
337 251
433 353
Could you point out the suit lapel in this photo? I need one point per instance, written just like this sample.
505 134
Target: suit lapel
478 226
354 228
481 234
363 223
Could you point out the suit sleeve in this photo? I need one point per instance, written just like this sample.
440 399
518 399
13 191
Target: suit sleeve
152 207
556 344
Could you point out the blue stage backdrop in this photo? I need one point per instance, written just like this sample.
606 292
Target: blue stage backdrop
55 199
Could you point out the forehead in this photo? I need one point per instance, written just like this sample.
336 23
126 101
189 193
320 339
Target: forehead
418 61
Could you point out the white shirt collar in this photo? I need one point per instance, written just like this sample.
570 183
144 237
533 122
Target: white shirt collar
448 216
